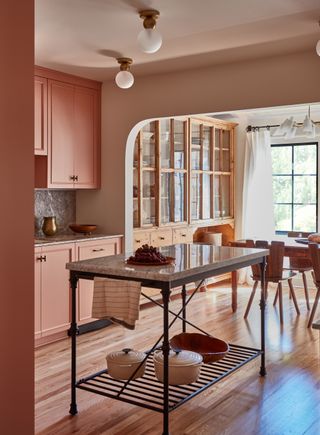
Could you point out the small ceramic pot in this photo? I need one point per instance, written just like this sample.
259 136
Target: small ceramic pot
122 364
184 366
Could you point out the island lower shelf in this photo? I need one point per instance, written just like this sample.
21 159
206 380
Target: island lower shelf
147 391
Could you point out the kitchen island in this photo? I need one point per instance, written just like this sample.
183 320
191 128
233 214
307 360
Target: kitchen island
193 262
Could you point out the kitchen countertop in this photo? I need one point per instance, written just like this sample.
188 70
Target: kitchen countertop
67 238
190 259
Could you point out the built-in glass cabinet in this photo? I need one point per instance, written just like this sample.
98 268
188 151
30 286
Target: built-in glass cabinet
183 172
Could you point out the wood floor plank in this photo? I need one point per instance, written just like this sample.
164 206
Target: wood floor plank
287 401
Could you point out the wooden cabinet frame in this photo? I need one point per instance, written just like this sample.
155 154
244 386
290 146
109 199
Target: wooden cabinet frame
217 129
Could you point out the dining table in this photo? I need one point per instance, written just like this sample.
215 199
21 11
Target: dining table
294 247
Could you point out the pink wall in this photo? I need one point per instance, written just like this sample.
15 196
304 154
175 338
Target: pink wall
16 217
266 82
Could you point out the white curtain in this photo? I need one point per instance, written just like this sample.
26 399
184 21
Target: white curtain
258 216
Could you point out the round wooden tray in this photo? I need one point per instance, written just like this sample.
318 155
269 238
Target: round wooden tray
169 260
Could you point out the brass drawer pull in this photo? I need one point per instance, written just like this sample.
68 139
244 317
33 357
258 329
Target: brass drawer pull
138 241
98 250
183 235
162 238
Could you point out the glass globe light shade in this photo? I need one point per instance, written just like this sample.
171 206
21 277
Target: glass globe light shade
149 40
124 79
318 48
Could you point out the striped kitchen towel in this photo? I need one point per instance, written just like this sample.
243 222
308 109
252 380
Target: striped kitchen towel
116 300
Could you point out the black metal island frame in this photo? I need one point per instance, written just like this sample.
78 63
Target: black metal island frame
193 263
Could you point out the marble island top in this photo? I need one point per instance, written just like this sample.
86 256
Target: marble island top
190 259
67 238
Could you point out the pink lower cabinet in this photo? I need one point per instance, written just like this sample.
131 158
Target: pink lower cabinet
52 317
37 293
85 251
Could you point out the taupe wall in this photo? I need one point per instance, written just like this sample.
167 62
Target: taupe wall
16 217
290 79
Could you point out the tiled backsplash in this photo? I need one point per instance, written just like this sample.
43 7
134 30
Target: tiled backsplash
59 203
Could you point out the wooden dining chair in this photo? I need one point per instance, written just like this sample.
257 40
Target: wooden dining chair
314 253
274 273
301 265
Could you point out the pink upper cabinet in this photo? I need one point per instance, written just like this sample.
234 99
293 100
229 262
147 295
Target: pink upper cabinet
61 134
73 133
40 116
86 138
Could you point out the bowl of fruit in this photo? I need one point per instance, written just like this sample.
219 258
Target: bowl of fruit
149 256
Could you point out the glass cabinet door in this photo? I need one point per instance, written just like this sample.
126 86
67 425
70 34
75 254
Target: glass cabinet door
165 197
201 178
195 146
225 150
148 145
148 198
225 196
179 144
165 143
217 199
195 196
179 197
207 196
206 146
172 170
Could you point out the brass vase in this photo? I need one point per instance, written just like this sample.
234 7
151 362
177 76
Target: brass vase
49 226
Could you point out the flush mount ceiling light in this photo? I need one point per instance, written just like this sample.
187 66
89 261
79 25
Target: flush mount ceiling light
124 79
149 39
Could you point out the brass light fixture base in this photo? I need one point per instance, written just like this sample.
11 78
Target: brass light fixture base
125 63
149 18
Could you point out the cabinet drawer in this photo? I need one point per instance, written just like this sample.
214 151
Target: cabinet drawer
161 238
141 238
87 250
182 235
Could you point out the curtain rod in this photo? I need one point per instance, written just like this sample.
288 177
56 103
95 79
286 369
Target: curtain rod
257 127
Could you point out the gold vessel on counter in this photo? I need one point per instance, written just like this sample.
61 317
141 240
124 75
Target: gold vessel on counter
49 226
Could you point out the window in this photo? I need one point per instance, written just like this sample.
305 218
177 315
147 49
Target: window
295 186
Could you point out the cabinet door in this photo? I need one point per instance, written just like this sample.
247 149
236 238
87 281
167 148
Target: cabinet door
40 116
61 134
55 289
86 137
85 251
37 293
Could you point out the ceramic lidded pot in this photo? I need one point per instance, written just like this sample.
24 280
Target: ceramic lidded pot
122 364
184 366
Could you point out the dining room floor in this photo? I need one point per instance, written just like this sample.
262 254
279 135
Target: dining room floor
286 401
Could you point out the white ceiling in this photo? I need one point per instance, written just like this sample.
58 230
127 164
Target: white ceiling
84 37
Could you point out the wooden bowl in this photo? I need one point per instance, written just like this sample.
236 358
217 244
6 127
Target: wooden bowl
83 228
212 349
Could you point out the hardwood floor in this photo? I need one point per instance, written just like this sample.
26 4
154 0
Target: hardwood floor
287 401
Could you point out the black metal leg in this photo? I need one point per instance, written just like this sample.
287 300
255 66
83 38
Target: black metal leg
263 371
165 349
73 332
183 297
